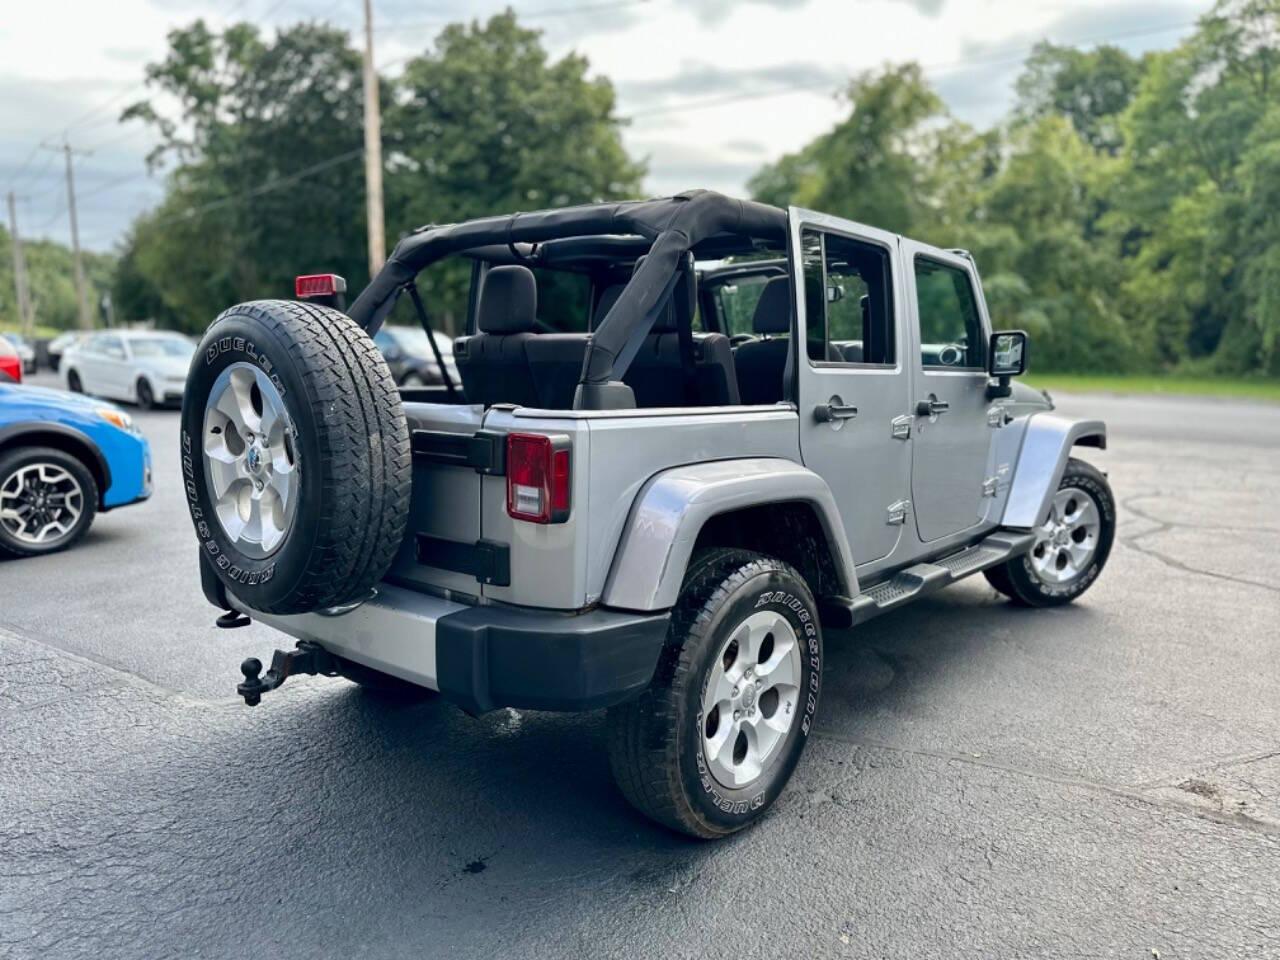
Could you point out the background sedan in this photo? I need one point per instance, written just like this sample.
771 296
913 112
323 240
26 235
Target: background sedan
146 368
25 348
409 355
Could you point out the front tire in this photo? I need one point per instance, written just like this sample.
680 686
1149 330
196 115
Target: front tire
1071 547
713 741
47 501
73 382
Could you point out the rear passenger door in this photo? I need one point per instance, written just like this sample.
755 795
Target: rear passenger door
853 387
949 373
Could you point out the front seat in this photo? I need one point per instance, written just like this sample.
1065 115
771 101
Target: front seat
493 363
762 363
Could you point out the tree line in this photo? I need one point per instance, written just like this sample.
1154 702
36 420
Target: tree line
1124 212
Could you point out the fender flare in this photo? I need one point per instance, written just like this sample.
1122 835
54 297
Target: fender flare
32 431
1046 446
672 507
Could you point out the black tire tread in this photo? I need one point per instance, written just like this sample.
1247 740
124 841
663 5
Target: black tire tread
642 754
363 438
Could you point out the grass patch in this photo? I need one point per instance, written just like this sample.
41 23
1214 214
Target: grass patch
1243 388
38 332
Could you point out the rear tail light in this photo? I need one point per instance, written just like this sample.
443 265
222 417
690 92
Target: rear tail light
315 286
537 478
11 368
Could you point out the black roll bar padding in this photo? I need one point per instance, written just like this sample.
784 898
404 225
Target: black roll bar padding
425 321
674 225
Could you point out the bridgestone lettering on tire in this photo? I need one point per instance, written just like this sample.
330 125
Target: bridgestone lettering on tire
658 742
346 438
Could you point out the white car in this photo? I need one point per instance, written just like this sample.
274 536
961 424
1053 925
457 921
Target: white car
148 368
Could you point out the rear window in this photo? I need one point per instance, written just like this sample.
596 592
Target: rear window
564 301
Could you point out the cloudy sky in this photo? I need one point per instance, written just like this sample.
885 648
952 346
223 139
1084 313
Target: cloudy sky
713 88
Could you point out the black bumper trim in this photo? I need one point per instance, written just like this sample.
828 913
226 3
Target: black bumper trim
490 657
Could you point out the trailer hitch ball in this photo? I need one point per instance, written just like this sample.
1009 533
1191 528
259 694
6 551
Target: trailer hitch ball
253 686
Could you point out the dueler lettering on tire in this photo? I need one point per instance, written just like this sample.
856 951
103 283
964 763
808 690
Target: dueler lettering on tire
295 456
713 741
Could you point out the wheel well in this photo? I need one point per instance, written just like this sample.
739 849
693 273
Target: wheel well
68 445
1098 440
791 532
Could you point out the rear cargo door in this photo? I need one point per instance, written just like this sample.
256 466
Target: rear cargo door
438 552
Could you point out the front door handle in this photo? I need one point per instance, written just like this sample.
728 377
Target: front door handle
931 407
833 411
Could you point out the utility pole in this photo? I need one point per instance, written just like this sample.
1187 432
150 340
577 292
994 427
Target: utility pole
372 151
86 320
19 271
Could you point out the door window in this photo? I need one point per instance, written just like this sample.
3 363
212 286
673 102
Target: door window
950 327
848 300
113 347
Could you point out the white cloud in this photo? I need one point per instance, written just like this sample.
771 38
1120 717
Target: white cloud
716 88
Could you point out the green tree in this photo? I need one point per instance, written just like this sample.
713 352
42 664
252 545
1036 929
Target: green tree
486 123
1091 88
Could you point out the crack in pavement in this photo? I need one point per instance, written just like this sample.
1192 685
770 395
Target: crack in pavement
1163 526
1237 820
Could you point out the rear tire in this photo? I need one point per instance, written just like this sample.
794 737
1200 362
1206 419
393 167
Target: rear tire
1070 549
296 457
146 397
73 382
713 741
49 489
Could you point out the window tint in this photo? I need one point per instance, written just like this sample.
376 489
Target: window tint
564 300
950 328
848 300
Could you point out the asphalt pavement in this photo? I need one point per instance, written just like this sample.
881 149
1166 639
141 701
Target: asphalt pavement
1101 779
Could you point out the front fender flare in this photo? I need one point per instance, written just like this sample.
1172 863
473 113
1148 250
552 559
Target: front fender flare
672 507
1046 446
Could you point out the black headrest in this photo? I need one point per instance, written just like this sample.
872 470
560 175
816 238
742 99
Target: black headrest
508 301
773 310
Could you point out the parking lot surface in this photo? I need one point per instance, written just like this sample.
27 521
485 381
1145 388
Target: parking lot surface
1101 779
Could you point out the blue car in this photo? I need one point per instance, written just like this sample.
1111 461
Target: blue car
63 458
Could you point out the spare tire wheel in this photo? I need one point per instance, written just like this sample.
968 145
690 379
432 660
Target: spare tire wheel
295 456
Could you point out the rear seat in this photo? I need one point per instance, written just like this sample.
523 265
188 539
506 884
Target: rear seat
493 363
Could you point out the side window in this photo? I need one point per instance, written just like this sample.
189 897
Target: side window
113 347
950 327
736 301
848 300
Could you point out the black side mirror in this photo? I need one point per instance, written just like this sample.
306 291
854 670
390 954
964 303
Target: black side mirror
1006 357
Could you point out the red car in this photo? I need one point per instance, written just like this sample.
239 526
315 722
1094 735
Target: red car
10 362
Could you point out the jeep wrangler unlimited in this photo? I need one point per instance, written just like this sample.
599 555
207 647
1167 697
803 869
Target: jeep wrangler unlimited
741 427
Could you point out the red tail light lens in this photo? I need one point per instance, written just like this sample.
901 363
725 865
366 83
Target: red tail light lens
537 478
318 285
11 367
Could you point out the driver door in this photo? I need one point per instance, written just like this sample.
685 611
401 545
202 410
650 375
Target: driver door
949 375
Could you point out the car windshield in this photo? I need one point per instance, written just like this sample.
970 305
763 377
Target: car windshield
15 338
152 347
414 340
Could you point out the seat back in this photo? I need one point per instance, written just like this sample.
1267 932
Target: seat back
761 364
493 363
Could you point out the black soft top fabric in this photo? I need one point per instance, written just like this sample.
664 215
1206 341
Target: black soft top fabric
673 225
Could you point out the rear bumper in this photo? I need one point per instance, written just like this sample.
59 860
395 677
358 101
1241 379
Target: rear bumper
486 657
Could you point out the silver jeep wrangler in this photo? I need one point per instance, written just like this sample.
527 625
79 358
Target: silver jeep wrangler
691 434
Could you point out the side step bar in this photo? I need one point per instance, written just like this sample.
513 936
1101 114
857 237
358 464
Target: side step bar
923 578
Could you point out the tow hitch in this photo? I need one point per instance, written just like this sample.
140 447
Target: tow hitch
309 658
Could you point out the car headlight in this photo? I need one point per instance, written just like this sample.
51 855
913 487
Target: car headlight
118 418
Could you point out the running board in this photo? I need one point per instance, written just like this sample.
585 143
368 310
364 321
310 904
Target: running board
924 578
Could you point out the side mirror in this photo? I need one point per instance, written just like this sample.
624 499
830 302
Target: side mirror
1008 354
1006 357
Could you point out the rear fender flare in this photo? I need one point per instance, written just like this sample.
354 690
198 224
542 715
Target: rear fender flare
672 507
1046 447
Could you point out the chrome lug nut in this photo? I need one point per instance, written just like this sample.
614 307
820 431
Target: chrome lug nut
737 714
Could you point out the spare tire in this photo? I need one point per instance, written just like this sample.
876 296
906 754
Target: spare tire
295 456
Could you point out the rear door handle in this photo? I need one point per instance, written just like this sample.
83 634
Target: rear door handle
831 412
931 407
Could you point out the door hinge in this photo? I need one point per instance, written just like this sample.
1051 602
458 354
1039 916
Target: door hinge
900 427
898 512
989 487
995 416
